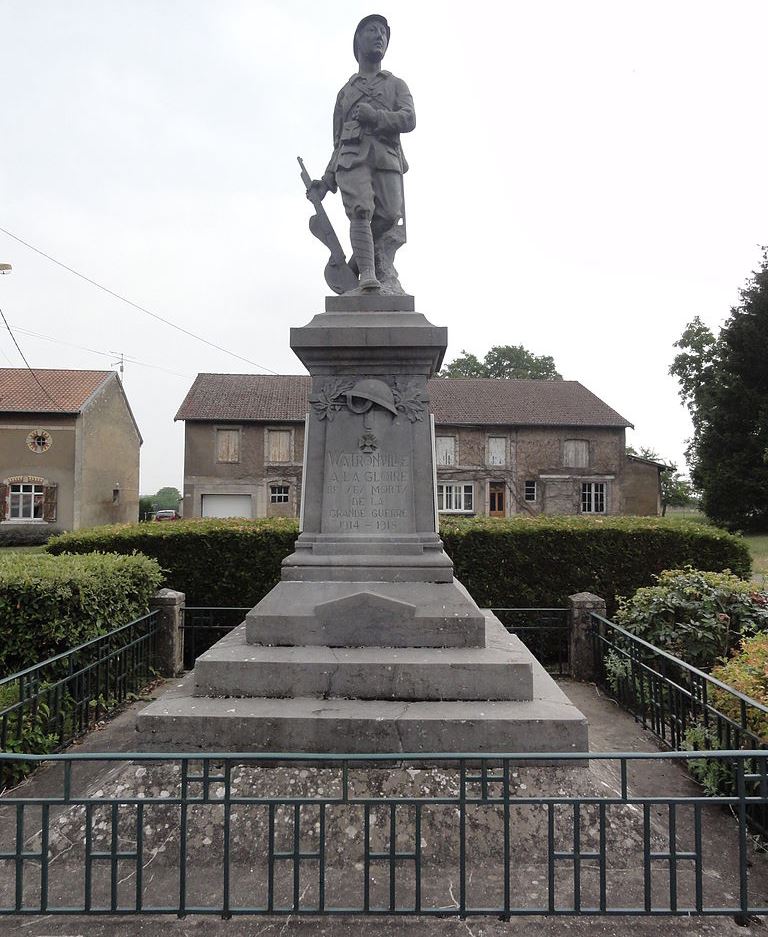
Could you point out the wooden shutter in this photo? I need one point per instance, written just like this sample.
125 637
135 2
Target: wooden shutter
279 445
497 450
3 501
576 453
227 445
49 503
445 450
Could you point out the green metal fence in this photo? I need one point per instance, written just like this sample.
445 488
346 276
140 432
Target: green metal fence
544 631
50 704
204 626
434 835
682 706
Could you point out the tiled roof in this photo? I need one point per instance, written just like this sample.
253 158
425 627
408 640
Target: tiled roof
474 400
47 390
519 403
247 397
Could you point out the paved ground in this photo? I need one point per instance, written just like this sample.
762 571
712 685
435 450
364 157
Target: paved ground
611 730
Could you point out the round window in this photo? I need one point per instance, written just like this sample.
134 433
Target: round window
39 440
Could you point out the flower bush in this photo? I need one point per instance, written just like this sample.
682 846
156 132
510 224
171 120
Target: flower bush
696 615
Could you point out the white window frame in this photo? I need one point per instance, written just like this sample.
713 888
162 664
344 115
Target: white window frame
489 457
281 497
268 460
238 433
576 462
453 492
594 497
530 481
28 492
448 455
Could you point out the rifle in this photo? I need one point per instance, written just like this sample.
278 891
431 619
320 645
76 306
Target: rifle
338 274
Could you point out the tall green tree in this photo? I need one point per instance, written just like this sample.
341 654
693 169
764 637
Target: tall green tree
724 382
504 361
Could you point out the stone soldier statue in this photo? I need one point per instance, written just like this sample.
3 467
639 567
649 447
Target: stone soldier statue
372 110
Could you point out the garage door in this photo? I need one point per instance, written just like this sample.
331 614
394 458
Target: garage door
226 506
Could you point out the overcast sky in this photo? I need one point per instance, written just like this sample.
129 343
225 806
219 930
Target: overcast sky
585 178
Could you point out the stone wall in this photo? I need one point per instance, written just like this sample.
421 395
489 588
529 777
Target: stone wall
642 488
106 461
251 475
531 454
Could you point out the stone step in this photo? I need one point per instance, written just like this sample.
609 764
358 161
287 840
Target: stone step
367 614
179 721
499 671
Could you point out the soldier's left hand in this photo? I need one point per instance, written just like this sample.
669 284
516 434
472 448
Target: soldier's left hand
367 114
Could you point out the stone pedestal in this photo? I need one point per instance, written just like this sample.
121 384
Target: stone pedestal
368 617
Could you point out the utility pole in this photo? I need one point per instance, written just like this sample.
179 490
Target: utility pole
120 361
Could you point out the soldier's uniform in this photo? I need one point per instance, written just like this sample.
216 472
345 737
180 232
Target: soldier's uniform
367 162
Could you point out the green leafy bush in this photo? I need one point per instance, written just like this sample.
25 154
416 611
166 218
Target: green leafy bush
695 615
525 561
51 603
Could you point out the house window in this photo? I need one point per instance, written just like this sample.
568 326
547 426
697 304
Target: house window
278 445
27 502
115 496
593 497
278 494
530 490
455 498
497 450
227 445
576 453
445 450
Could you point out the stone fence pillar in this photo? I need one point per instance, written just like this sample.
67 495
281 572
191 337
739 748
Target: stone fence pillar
170 638
580 606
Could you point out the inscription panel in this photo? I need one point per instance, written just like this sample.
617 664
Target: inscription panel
368 493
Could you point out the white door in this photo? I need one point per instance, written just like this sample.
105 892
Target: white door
227 506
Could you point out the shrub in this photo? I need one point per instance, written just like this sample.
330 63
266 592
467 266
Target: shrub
746 671
214 562
516 562
51 603
695 615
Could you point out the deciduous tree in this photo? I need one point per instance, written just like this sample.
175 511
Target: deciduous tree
504 361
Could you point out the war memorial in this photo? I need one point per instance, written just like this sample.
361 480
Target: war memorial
368 643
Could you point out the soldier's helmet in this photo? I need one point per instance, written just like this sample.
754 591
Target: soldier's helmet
363 21
368 392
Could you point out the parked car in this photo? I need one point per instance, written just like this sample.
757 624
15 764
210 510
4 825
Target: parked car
169 515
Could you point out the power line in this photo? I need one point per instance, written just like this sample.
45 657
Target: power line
104 354
130 302
31 370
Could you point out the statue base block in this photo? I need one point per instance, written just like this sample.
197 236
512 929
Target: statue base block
546 722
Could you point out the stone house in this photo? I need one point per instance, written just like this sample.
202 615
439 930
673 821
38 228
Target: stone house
69 452
502 448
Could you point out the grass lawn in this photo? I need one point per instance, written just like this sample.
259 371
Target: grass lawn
758 547
38 549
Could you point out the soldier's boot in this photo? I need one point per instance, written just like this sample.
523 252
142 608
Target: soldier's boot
362 246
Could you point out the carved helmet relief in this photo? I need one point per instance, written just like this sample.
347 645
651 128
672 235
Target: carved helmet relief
360 395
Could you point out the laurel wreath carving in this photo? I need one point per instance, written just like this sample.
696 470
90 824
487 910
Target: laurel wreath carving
330 399
410 400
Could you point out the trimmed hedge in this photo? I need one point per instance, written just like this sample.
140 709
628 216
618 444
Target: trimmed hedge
522 561
51 603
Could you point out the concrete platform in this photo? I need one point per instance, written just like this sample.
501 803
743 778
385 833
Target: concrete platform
181 721
367 614
235 668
